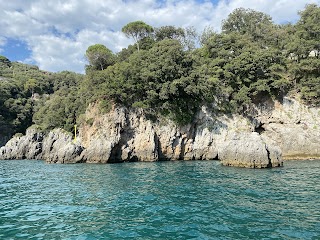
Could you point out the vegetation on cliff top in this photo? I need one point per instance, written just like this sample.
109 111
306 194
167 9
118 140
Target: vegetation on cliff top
164 73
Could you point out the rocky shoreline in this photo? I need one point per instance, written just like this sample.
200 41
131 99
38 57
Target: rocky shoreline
278 131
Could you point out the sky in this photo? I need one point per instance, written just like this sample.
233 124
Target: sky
54 34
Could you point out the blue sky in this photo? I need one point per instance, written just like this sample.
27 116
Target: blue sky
54 34
16 50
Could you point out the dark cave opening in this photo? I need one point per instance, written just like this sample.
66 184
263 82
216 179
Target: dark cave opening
259 129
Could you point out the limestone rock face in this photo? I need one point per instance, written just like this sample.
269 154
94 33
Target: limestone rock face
56 147
23 147
249 150
99 140
128 135
292 126
124 135
118 136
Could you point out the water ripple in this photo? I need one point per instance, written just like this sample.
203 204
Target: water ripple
165 200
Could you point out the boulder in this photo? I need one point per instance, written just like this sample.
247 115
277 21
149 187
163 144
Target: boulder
59 147
249 150
28 146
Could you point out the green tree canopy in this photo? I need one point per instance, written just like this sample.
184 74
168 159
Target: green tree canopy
308 28
205 35
247 21
303 48
244 68
5 61
170 32
31 85
100 57
137 30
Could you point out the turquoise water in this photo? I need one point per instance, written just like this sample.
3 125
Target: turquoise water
164 200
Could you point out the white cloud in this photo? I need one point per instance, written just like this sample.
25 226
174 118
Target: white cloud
59 32
62 53
280 10
3 41
56 54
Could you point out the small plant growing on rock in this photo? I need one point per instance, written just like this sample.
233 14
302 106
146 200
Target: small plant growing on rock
18 135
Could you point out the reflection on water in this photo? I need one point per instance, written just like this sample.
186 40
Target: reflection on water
164 200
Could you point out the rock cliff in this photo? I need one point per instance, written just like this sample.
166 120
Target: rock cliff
55 147
292 126
289 129
124 135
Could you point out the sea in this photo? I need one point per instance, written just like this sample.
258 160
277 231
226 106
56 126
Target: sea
158 200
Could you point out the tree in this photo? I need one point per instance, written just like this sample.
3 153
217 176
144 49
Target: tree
247 21
60 110
31 86
205 35
186 36
5 61
5 65
190 38
303 48
66 79
244 68
169 32
137 30
100 57
308 28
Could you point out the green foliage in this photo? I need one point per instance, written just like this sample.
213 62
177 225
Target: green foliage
21 88
247 21
65 80
137 30
244 68
306 75
308 27
191 38
105 106
125 53
4 62
99 57
16 105
60 110
163 73
207 33
303 47
31 85
155 80
169 32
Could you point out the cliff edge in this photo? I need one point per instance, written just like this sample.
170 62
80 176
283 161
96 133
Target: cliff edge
275 131
127 135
